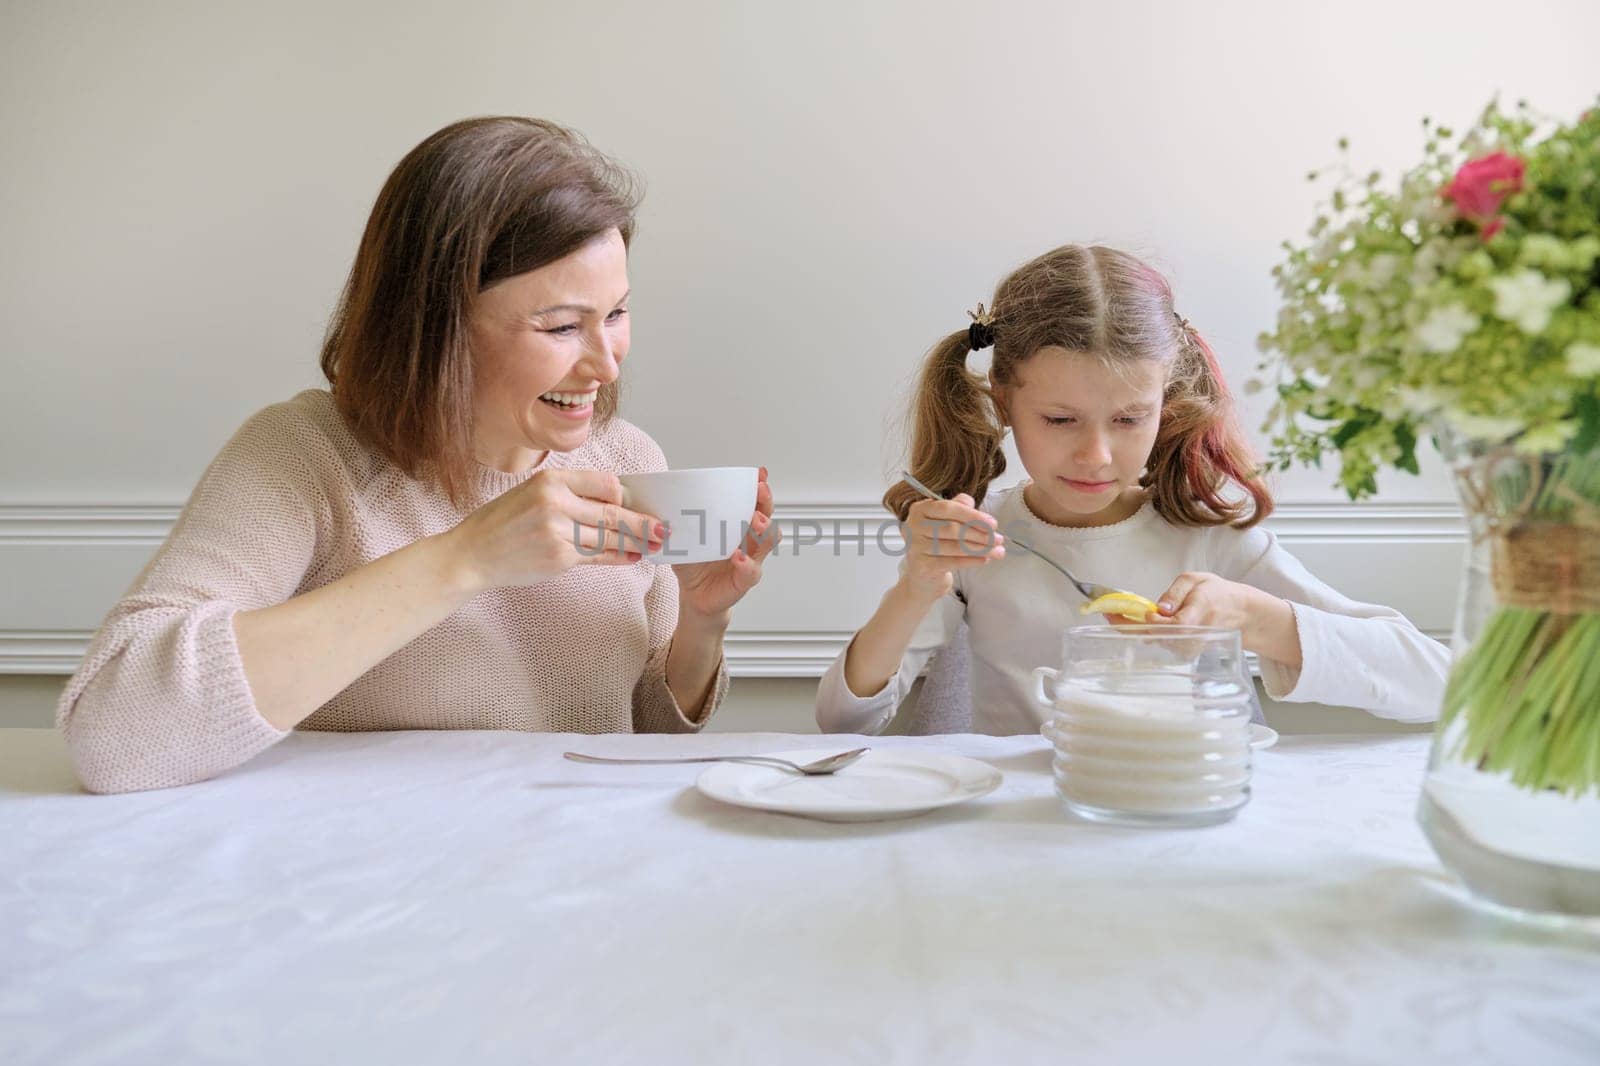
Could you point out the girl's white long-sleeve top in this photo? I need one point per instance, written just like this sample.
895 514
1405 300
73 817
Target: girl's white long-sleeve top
1016 608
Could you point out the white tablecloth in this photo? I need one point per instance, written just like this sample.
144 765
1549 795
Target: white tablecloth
473 898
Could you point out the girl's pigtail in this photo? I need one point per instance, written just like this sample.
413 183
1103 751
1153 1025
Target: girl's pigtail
955 436
1200 447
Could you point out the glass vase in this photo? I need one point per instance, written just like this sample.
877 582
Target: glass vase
1511 801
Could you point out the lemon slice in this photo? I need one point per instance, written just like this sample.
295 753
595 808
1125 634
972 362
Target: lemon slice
1125 604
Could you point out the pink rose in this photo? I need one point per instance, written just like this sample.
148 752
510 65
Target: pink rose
1482 185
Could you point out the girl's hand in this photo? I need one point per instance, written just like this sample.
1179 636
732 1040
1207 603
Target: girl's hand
709 590
943 536
1265 623
550 523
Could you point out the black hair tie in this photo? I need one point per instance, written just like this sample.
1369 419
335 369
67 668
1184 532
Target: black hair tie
981 333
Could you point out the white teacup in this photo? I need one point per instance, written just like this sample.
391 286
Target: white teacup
708 509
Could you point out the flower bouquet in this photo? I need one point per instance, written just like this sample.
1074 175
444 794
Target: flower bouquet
1464 305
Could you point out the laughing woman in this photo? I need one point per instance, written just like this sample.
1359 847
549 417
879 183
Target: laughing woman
420 546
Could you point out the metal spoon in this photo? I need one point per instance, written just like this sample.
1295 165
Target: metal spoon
1090 590
831 764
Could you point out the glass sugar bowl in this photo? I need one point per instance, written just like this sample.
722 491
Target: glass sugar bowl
1150 723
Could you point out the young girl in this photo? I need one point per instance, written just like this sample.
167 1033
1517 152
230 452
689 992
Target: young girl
1127 432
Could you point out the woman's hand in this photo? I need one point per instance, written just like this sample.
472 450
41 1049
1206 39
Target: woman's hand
550 523
943 536
708 591
1265 623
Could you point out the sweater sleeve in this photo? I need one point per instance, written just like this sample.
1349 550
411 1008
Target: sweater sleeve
655 709
1353 654
840 710
161 697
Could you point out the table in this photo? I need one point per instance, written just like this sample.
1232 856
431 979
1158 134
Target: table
473 898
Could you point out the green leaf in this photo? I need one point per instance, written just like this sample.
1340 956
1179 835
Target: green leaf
1588 406
1342 435
1406 438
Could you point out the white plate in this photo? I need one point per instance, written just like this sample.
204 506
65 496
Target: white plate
1262 736
879 785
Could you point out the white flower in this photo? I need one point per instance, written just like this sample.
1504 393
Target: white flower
1482 427
1437 213
1542 249
1583 360
1527 298
1382 269
1419 402
1428 263
1547 438
1445 328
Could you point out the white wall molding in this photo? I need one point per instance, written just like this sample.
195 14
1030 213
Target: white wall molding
62 566
776 653
148 524
42 652
50 525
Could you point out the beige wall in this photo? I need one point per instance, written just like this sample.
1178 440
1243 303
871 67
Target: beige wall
831 186
29 699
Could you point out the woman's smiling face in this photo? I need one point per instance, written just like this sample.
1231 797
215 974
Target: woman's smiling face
543 343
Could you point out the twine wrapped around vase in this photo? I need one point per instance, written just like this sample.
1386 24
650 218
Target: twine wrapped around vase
1548 566
1538 563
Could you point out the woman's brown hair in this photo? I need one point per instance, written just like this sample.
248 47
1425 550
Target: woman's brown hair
1110 305
477 202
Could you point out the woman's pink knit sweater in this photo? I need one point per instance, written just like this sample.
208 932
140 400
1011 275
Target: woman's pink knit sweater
294 502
